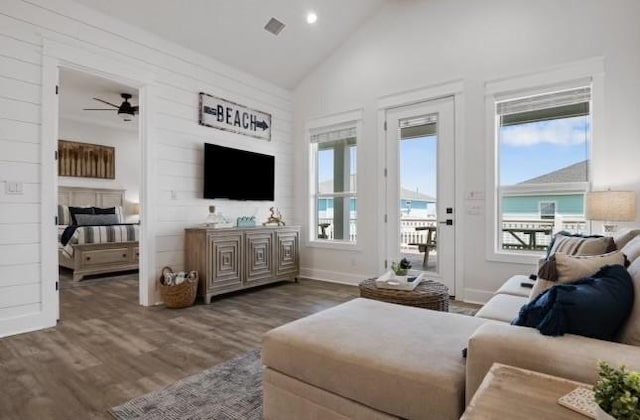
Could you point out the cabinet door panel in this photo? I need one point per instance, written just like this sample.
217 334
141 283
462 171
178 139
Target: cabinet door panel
225 261
259 261
287 258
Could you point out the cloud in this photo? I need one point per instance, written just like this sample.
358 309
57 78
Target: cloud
563 132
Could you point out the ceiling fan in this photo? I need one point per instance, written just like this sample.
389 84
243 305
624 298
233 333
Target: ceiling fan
126 111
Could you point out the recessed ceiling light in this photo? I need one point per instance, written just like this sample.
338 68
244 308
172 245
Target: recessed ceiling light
311 18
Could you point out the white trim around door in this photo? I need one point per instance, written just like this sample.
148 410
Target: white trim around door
56 55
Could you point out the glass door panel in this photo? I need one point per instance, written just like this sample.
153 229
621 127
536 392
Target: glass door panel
420 189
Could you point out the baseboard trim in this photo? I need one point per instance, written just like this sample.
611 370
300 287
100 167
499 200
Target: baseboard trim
332 276
477 296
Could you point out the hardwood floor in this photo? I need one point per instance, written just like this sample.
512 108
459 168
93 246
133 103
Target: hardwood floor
107 349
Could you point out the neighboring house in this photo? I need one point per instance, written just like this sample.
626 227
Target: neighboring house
521 206
416 205
413 204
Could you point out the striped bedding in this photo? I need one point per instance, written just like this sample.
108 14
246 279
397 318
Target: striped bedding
98 235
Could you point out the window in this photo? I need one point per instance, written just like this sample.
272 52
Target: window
544 151
547 209
334 153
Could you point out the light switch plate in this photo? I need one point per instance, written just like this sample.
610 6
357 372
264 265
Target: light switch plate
12 187
475 195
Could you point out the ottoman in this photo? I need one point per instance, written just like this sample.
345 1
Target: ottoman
367 359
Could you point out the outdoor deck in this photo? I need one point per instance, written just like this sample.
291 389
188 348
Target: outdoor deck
528 235
416 259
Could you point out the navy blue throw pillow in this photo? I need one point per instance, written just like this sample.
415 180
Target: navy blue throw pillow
105 210
595 307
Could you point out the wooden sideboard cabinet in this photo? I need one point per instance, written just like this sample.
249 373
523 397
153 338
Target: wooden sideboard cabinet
229 259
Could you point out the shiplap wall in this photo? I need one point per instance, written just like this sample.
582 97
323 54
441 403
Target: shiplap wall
177 139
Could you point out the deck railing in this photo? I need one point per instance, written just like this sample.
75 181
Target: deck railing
543 229
409 234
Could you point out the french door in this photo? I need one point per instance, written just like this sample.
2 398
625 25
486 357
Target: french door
420 186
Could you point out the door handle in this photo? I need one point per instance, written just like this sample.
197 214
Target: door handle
448 222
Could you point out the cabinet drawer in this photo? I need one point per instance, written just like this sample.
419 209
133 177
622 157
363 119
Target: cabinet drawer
105 256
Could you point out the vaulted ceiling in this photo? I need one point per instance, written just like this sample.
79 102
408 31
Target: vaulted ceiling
232 31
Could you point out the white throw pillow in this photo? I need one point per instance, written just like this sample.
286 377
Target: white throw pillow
569 268
575 267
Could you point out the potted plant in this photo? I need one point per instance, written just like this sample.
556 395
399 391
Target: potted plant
401 269
617 393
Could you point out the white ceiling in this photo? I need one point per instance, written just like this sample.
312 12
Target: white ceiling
77 90
232 31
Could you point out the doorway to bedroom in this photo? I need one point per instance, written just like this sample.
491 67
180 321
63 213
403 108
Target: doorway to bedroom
98 191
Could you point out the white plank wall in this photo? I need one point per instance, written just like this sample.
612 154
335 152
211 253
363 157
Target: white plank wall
177 143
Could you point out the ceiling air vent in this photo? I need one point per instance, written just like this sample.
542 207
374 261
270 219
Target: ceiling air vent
274 26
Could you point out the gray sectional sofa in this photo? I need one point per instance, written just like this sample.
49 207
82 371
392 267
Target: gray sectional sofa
366 359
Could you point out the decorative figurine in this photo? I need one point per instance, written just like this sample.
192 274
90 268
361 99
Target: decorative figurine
275 219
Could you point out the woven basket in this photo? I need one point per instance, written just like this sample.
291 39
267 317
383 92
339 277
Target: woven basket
428 294
179 296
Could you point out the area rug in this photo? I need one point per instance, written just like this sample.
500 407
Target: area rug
229 391
463 308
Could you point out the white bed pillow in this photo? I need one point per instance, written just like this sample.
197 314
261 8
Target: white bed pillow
97 219
64 215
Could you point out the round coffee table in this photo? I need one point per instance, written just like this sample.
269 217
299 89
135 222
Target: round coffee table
428 294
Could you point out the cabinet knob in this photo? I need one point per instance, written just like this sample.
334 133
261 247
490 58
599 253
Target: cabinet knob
88 258
124 255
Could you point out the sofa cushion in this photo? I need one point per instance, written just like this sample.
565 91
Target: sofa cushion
400 360
502 307
623 238
513 286
564 268
631 330
594 307
632 249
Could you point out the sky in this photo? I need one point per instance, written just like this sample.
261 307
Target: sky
534 149
526 151
418 165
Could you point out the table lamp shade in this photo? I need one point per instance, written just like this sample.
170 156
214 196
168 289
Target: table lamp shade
611 206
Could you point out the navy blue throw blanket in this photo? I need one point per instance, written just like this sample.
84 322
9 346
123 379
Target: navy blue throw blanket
595 307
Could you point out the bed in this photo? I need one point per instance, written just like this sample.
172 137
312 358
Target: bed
95 249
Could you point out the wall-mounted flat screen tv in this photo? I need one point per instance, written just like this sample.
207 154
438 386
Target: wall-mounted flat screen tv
238 174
